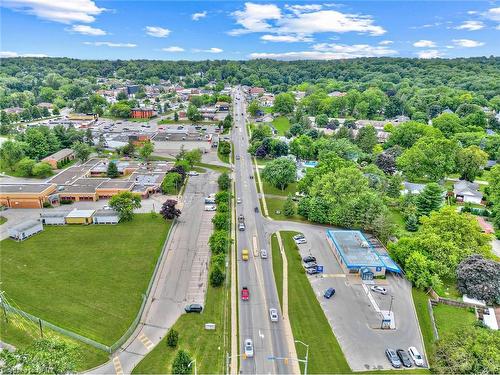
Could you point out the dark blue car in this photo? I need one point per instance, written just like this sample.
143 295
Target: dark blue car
329 293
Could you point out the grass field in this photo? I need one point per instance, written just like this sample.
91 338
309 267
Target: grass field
450 319
223 158
276 204
281 124
3 220
277 267
271 190
308 320
21 333
216 168
424 319
87 279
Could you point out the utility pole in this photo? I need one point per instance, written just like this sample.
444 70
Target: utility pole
306 360
189 366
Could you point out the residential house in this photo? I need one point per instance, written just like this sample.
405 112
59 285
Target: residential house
25 230
467 192
255 92
412 188
222 106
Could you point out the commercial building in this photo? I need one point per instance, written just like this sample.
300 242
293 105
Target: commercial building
25 230
27 195
142 113
80 217
60 158
358 255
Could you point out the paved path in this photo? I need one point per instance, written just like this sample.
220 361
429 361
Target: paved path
182 278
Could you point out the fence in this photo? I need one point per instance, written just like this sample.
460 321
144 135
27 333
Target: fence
86 340
431 314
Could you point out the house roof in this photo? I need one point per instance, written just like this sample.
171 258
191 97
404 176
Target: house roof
410 186
53 214
467 188
26 225
80 213
24 188
59 155
105 212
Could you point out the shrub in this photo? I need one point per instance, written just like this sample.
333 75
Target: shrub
217 277
172 338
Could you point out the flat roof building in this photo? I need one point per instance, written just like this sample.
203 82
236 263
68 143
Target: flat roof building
61 157
26 195
80 217
25 230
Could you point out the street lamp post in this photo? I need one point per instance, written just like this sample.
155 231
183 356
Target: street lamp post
306 360
189 366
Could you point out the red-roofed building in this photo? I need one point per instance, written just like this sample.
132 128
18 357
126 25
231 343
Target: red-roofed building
142 113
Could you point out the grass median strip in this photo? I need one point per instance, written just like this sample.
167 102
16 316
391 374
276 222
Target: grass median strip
308 320
87 279
277 267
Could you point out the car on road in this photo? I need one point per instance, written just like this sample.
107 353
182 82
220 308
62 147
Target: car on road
301 241
248 348
329 293
251 177
256 209
244 254
378 289
416 356
393 358
194 307
238 200
193 173
263 253
245 294
312 271
273 314
237 157
298 236
309 259
404 357
210 208
241 227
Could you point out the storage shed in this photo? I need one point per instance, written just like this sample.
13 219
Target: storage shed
106 216
80 217
25 230
53 217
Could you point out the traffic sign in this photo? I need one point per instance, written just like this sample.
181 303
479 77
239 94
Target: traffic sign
319 269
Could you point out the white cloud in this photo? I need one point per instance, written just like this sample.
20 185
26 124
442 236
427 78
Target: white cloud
111 44
424 44
285 38
492 14
470 25
429 54
156 31
87 30
329 51
6 54
385 42
497 28
210 50
467 43
173 49
301 20
199 15
63 11
254 18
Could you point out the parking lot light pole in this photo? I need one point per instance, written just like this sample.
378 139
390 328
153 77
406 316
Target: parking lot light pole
189 366
306 360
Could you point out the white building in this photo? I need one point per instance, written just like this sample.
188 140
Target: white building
25 230
467 192
106 216
53 217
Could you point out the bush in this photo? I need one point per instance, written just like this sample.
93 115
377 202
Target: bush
224 181
172 338
66 201
181 363
217 277
221 221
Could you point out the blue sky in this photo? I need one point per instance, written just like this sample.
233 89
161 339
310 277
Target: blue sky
287 30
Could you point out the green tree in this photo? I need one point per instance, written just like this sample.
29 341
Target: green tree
43 356
193 156
120 109
56 111
254 107
419 270
25 167
172 338
430 199
321 120
429 157
280 172
82 151
366 138
11 152
193 113
180 366
408 133
219 242
221 221
42 169
146 150
284 103
411 223
470 162
122 95
124 203
176 116
112 171
224 181
89 138
217 277
289 206
171 183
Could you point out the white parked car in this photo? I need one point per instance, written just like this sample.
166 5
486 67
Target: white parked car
238 200
249 348
193 173
273 314
378 289
415 356
298 236
263 254
210 208
300 241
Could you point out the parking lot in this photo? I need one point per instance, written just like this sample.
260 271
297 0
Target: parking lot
353 312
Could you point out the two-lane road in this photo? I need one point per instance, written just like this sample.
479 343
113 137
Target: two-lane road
269 338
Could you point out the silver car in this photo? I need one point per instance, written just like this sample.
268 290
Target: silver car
249 348
263 254
273 314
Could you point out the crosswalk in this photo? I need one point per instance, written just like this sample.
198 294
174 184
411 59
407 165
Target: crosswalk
118 366
146 341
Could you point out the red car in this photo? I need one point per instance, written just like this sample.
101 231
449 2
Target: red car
245 294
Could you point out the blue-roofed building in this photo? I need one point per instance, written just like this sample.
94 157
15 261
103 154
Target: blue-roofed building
357 254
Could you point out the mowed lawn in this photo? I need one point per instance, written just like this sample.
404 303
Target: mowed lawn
308 320
281 124
87 279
